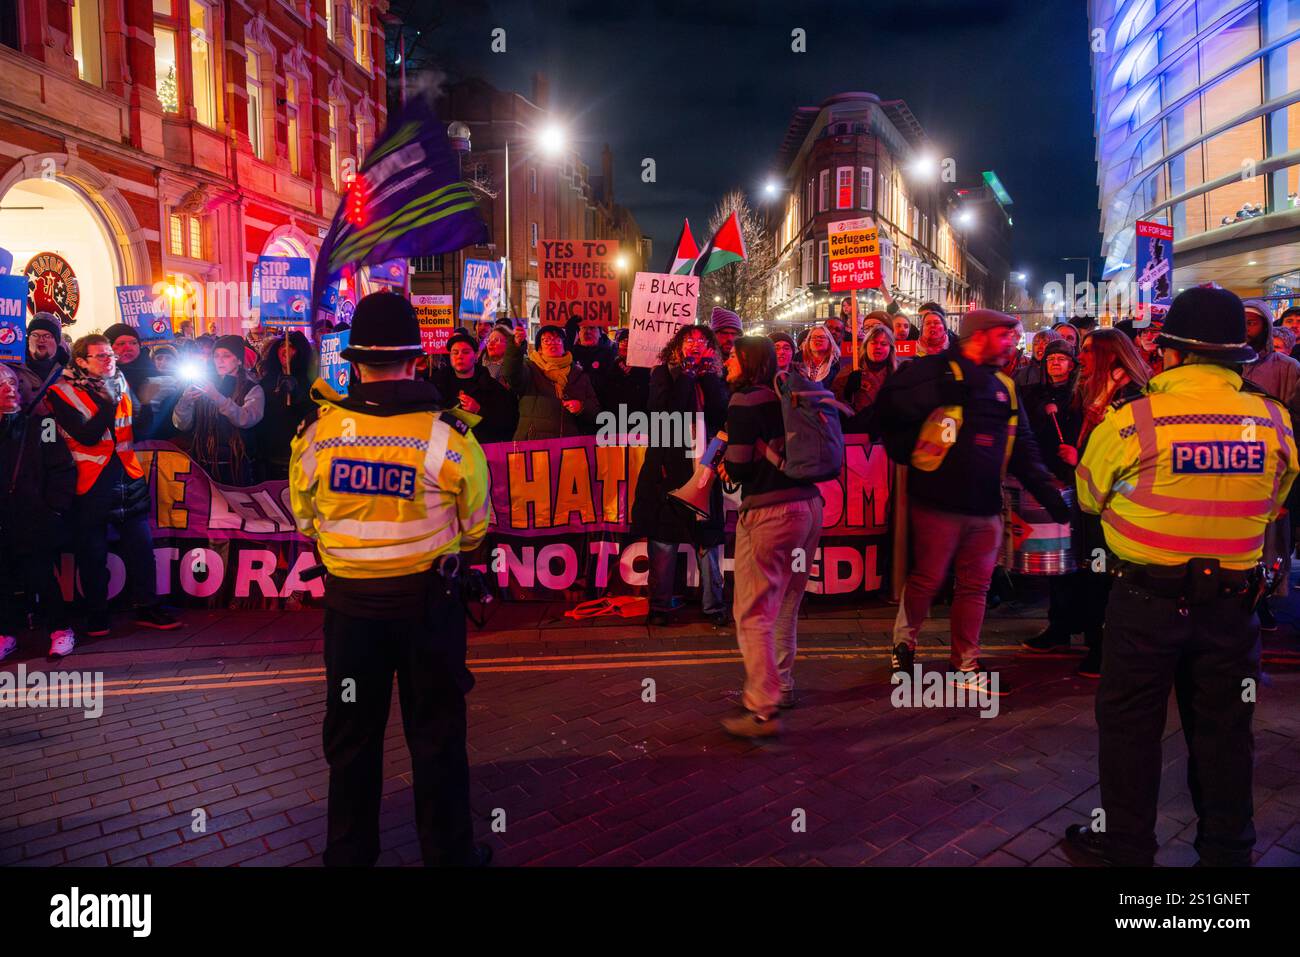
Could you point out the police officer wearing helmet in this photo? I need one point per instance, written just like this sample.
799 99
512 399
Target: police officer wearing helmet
389 486
1186 479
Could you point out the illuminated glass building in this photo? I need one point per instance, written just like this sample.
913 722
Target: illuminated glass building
1197 111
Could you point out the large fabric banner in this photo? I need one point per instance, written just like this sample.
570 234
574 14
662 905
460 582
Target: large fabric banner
559 528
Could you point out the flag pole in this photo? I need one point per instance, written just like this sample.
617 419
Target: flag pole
853 294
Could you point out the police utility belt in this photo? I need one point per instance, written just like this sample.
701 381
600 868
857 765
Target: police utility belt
1196 581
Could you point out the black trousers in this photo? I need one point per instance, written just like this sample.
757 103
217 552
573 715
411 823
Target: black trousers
1077 603
427 654
1207 657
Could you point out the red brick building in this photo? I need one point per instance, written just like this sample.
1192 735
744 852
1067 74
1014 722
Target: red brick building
175 141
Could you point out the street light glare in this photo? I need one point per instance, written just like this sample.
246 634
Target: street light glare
551 140
925 166
621 261
966 217
770 188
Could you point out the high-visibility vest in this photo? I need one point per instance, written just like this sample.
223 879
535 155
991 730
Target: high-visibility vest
1196 468
385 496
119 440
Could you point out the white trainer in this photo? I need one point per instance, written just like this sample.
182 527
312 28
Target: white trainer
8 645
62 642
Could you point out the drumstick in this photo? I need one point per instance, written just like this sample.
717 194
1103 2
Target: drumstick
1050 409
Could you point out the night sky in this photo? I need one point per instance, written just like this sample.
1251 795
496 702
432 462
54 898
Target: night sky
707 88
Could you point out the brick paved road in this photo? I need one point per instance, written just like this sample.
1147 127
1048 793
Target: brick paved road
226 717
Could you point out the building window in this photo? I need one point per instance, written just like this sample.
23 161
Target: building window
825 191
336 173
865 194
329 17
426 264
86 46
365 137
844 187
532 179
176 228
361 32
532 235
196 238
201 33
164 64
808 203
806 263
9 24
823 266
185 235
291 121
253 83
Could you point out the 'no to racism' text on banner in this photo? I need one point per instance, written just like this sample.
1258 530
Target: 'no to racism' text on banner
480 293
284 288
578 279
1154 267
434 313
13 318
661 304
334 369
854 253
140 310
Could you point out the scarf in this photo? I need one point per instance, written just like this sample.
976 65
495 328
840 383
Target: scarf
493 368
557 370
819 372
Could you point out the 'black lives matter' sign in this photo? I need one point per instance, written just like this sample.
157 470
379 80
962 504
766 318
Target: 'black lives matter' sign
579 278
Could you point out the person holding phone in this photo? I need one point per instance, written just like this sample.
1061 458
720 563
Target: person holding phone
219 409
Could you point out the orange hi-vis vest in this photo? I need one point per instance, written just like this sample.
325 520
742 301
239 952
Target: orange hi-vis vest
91 459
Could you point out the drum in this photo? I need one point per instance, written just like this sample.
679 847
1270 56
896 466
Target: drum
1033 542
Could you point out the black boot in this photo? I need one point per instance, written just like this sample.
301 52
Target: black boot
1049 640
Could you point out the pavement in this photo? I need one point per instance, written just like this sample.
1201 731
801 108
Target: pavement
598 742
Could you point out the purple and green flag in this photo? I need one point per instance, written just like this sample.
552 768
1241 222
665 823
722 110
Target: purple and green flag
407 200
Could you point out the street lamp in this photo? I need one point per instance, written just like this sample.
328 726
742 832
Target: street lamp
1087 259
966 218
552 140
925 166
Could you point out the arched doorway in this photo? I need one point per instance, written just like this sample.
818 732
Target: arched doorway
76 259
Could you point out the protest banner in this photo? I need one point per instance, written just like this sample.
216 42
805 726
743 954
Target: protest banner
661 304
389 275
579 280
854 253
13 318
559 525
334 369
6 261
434 314
1153 270
140 310
480 292
283 290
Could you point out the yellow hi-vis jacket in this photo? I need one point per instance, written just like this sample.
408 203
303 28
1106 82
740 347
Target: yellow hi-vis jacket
385 496
1195 468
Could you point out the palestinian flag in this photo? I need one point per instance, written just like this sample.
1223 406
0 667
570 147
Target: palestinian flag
686 252
726 247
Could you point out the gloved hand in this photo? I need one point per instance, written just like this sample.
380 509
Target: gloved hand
1057 508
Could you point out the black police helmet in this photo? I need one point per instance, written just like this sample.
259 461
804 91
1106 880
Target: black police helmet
384 330
1209 321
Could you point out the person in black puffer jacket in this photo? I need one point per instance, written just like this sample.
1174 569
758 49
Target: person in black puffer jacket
463 384
92 405
39 486
625 385
285 374
688 384
556 399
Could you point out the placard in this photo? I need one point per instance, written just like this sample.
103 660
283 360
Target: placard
283 289
661 304
333 368
13 318
579 279
854 253
1154 270
434 313
139 308
480 296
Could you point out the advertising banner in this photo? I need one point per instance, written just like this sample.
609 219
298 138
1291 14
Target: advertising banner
1154 270
661 304
283 289
144 312
436 323
13 318
854 253
579 279
559 527
480 292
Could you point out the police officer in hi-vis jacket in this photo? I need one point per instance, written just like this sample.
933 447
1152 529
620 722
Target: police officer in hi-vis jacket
393 490
1186 479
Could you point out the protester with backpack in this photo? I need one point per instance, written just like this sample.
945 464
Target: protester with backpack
954 420
780 444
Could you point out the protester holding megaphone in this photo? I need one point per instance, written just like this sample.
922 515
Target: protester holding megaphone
688 385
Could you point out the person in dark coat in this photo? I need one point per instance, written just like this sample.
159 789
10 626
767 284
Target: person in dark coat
39 487
626 385
45 350
879 362
688 384
594 351
156 394
285 374
555 396
462 384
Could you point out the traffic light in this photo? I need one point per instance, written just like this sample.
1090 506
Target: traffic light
358 196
